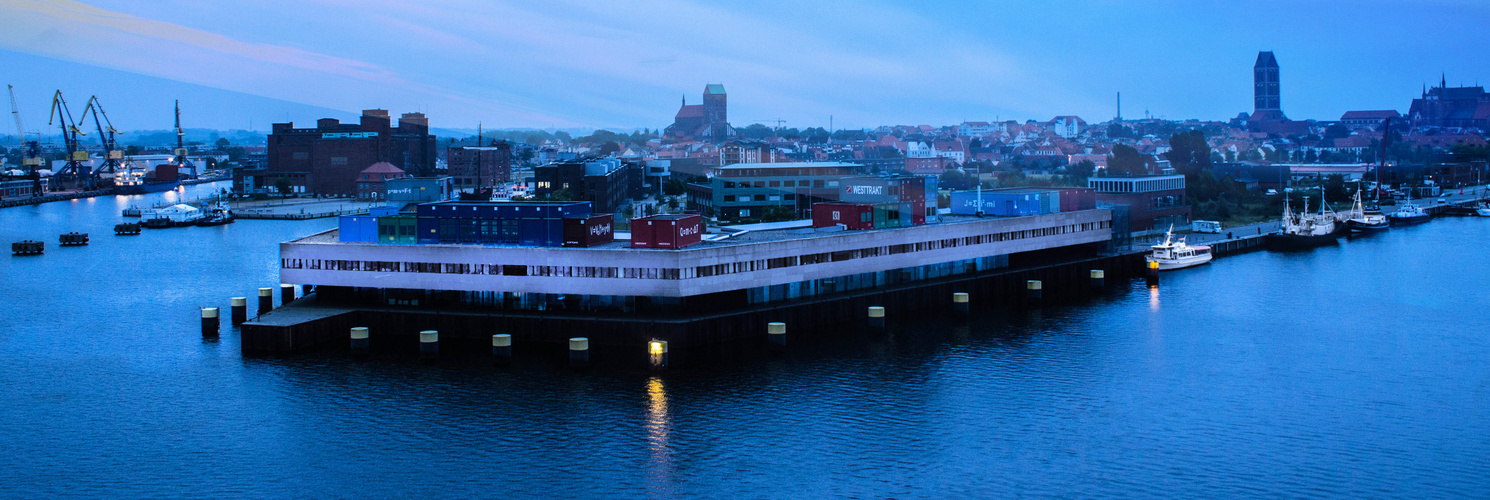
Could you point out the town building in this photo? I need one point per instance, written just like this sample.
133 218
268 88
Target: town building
707 122
476 167
1368 119
746 151
1443 106
327 159
1154 201
372 181
1266 94
749 190
601 181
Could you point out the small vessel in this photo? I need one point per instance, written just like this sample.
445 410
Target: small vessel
1408 214
176 215
217 214
1173 254
1483 210
1305 230
1361 220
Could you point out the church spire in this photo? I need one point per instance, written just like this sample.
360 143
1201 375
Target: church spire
1443 81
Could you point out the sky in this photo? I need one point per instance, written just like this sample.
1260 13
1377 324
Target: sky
626 65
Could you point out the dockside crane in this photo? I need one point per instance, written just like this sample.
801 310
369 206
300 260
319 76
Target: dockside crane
30 150
74 169
112 154
181 161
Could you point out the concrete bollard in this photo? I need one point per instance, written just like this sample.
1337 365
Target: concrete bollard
286 294
501 348
960 303
876 317
1099 278
361 344
657 354
429 344
266 300
579 352
238 308
1034 291
1153 273
776 335
210 321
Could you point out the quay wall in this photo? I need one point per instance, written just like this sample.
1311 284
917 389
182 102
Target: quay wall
1005 287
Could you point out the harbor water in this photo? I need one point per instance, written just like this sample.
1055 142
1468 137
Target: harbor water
1359 370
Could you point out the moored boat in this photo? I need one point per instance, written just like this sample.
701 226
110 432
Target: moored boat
1173 254
217 215
176 215
1305 230
1408 214
1362 220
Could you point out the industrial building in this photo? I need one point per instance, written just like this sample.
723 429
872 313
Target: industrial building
476 167
327 159
1154 201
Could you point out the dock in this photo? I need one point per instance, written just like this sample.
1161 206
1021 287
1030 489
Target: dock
312 321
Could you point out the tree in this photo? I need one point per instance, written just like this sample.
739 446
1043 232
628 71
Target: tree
674 187
131 150
1336 131
1189 152
282 184
1118 130
1125 161
1334 188
779 214
1311 157
222 143
953 179
1081 169
671 202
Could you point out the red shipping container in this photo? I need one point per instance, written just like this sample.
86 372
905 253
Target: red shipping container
918 212
667 231
912 189
589 231
851 215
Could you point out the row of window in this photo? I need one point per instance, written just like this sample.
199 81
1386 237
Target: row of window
819 183
686 273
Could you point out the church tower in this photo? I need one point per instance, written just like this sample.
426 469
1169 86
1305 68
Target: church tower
1266 96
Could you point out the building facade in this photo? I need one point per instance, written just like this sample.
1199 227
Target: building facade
1154 201
604 182
327 159
372 181
749 190
476 167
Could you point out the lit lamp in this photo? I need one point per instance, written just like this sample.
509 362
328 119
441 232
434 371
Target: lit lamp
657 354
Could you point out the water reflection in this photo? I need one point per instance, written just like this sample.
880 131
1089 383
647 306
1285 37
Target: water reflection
1153 298
659 426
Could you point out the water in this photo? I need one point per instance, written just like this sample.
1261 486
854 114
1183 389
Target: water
1361 370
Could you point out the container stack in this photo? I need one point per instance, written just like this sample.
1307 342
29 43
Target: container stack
667 231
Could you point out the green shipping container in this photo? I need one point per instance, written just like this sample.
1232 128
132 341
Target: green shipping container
396 230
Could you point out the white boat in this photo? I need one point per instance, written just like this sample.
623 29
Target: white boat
1482 211
1177 254
176 215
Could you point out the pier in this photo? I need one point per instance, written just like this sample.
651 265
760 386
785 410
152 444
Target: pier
315 321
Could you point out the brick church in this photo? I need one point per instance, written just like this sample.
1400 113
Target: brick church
707 122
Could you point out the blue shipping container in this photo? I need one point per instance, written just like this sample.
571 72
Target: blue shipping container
999 204
532 232
428 228
358 228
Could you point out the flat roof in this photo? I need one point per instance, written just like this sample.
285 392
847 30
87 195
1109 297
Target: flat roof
801 164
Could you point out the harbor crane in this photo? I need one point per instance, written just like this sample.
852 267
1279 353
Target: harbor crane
181 161
106 132
74 168
779 122
30 150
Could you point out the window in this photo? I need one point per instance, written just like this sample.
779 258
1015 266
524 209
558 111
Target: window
775 184
744 212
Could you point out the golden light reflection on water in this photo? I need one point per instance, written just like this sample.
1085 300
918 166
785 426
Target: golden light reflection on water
1153 298
658 424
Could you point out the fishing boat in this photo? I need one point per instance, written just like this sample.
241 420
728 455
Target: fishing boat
217 214
176 215
1408 214
1362 220
1305 230
1172 254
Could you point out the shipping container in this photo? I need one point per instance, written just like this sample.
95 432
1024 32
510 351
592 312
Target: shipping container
589 231
358 228
428 229
398 230
851 215
667 231
1000 204
885 189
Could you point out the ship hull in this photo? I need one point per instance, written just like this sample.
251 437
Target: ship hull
1281 241
1408 221
151 187
1170 265
1364 227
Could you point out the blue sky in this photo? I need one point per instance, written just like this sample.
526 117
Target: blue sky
623 65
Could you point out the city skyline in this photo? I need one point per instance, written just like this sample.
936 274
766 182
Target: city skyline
572 66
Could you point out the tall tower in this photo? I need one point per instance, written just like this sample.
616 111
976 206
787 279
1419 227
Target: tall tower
716 111
1266 96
